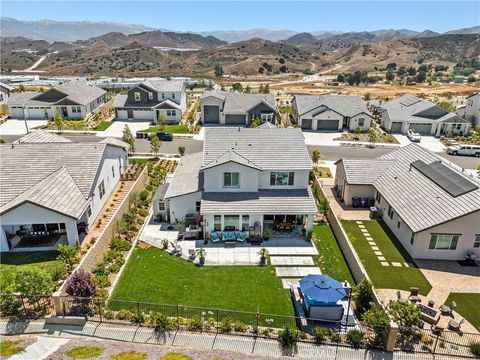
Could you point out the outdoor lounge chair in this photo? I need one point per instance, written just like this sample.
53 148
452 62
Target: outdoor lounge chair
448 309
414 295
399 297
192 254
242 236
455 325
177 249
228 236
214 236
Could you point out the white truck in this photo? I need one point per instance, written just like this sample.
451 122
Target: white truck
472 150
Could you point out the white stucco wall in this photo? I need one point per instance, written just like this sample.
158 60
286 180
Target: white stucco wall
181 205
213 178
300 180
212 101
354 122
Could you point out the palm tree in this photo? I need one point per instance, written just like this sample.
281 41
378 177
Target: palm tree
316 155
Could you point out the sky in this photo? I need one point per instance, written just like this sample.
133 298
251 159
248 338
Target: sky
197 16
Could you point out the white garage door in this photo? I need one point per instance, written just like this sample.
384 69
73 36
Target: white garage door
142 115
421 128
36 114
122 115
16 113
327 124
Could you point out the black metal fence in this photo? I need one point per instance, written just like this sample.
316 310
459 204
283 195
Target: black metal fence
188 318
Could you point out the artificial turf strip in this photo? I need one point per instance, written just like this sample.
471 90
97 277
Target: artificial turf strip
153 275
468 306
385 277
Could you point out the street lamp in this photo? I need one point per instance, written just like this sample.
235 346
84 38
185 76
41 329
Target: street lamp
348 290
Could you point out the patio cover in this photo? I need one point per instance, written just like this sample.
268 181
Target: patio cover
321 290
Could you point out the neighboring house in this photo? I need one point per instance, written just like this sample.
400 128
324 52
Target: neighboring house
53 189
5 91
471 109
433 209
234 108
147 100
243 178
73 100
410 112
330 112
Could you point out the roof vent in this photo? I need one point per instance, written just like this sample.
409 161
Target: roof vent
13 146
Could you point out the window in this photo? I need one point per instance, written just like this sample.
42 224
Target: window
217 222
390 212
173 95
398 224
412 238
281 178
197 206
171 112
163 95
378 197
161 206
245 222
74 109
113 172
101 189
231 220
476 242
266 117
443 241
361 122
231 179
137 96
150 95
89 211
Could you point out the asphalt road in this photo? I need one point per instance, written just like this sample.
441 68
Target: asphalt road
332 153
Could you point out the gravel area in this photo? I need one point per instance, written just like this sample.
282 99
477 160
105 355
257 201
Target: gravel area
24 341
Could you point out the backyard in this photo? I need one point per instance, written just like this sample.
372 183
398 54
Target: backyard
153 275
330 258
401 271
174 129
467 306
11 262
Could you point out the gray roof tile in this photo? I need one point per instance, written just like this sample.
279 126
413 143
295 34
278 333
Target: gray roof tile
342 104
187 177
240 103
42 136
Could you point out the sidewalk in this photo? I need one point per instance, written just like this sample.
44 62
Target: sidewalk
207 341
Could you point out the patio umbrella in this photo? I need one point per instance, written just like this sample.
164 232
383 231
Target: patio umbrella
322 290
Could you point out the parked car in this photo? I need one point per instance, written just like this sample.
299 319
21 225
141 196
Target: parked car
165 136
413 136
464 150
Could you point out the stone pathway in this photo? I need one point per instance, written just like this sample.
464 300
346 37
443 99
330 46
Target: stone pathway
41 349
288 283
291 260
296 271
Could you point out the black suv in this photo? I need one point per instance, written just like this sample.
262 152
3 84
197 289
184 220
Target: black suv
165 136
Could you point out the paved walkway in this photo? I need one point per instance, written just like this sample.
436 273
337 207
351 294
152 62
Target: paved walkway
17 127
240 344
41 349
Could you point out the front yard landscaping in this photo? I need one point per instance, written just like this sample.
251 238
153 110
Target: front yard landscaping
385 277
364 137
330 258
174 129
103 126
467 306
153 275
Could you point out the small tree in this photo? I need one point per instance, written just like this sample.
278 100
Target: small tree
288 338
363 295
58 120
155 145
379 321
181 150
128 138
255 122
67 255
218 70
316 155
33 282
372 135
80 284
406 315
324 208
161 120
357 130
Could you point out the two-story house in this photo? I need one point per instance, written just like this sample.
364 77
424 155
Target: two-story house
74 100
53 189
5 91
471 109
243 177
331 112
147 100
234 108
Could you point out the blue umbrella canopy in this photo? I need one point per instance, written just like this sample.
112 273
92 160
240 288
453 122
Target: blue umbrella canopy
322 290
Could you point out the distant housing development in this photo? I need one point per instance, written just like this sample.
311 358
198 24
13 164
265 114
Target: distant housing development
149 99
433 209
55 188
234 108
331 112
72 100
410 112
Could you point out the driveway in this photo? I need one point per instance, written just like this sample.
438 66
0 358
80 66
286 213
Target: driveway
116 129
17 127
321 138
428 142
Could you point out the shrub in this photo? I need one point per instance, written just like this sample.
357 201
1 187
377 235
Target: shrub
84 352
140 221
176 356
320 334
238 326
102 281
118 244
355 338
288 338
109 314
99 269
160 322
195 325
130 356
474 348
80 284
9 304
379 321
67 255
123 314
58 272
144 195
137 317
407 315
363 295
33 282
111 256
143 212
336 338
114 268
226 325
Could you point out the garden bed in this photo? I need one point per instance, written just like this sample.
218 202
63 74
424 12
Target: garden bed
364 137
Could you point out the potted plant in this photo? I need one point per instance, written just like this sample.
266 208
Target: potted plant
164 244
288 339
263 252
267 232
201 256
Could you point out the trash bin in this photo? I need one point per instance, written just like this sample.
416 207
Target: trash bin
373 213
371 201
363 202
355 201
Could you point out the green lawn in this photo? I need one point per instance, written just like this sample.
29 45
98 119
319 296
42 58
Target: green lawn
174 129
13 261
467 306
103 126
330 258
387 277
153 275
